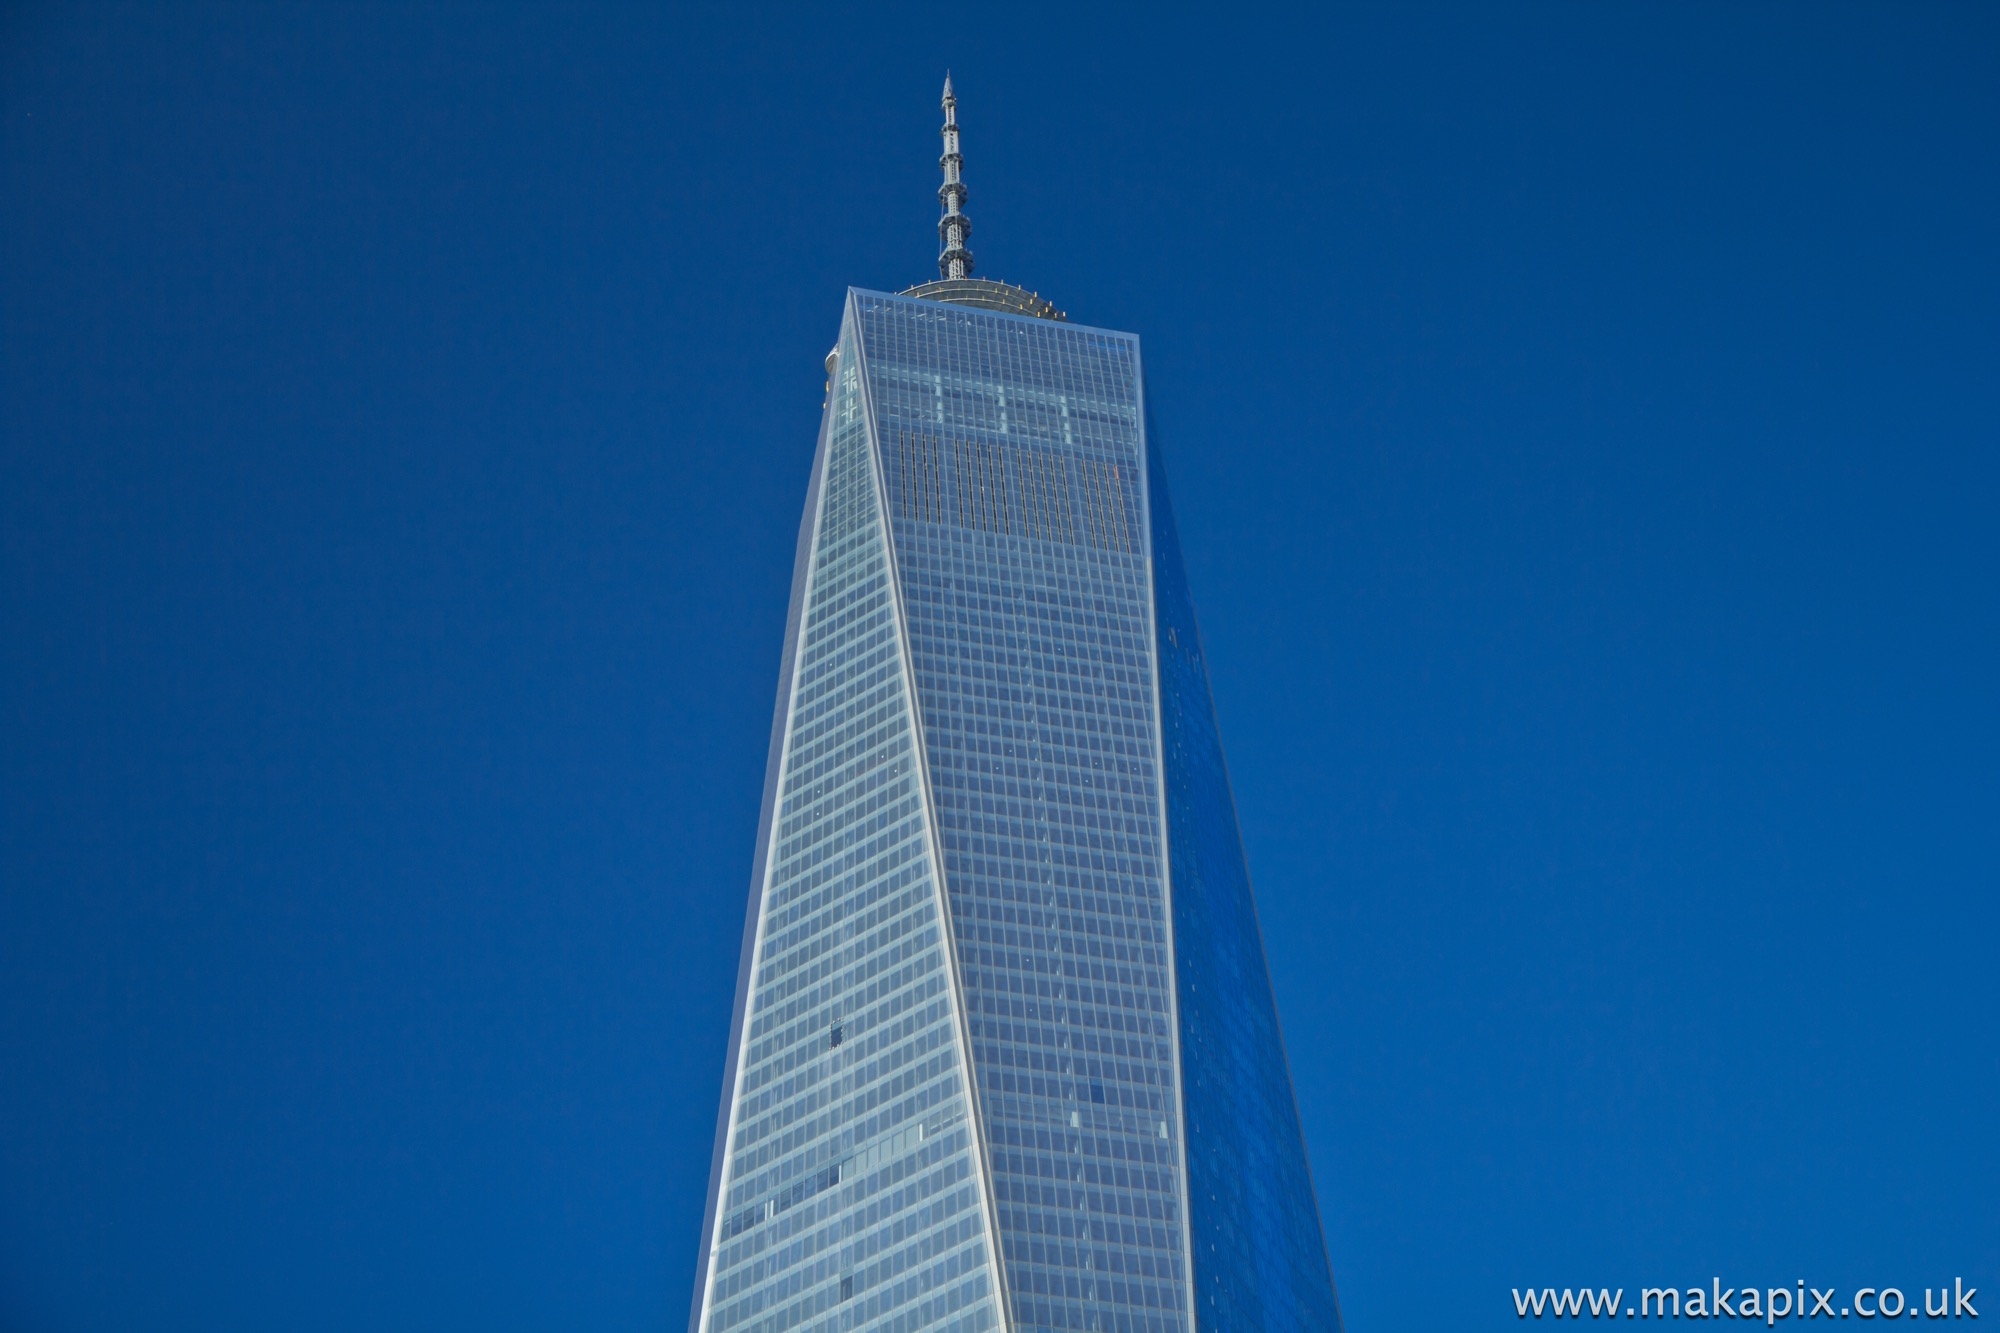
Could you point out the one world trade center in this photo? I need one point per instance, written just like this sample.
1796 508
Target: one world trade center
1005 1054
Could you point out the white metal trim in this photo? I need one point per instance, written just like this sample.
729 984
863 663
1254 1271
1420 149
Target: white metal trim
1166 853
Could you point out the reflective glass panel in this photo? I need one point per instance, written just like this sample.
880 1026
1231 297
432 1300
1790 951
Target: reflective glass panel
1259 1253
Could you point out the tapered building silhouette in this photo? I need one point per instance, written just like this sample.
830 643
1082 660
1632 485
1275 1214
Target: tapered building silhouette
1005 1054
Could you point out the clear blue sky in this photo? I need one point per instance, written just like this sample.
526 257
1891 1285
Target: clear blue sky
1583 424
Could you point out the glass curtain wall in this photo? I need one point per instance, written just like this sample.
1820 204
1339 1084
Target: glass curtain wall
1004 937
1012 456
1259 1252
852 1193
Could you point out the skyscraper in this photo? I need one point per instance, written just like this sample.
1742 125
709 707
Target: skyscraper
1005 1054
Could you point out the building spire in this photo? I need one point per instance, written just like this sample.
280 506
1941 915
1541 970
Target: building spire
954 260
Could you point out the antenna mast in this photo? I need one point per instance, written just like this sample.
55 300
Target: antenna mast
954 227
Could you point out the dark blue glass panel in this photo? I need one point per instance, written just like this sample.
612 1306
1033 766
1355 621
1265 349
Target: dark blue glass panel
1259 1253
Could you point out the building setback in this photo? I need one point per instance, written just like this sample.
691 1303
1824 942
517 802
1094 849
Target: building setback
1005 1054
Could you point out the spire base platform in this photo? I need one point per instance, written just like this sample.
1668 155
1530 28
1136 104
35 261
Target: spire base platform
986 294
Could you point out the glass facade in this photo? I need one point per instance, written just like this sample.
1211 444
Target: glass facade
1259 1254
1012 449
851 1191
1005 1049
